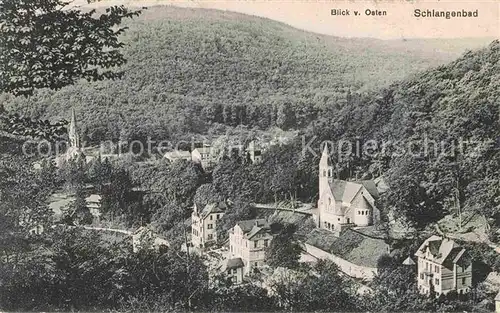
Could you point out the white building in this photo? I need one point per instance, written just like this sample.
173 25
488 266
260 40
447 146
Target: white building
248 240
443 265
341 203
234 269
204 224
204 156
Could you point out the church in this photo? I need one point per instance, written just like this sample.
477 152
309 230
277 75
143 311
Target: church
74 148
344 204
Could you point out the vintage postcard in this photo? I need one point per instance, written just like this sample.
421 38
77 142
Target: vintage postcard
249 155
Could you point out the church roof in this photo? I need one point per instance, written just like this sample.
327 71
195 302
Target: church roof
345 191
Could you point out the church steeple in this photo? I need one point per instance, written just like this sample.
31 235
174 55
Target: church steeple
325 170
74 138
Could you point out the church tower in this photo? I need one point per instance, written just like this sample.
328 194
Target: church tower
74 138
325 171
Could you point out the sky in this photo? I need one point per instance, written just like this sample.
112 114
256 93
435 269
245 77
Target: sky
398 23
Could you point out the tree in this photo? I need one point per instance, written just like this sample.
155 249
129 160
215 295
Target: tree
284 250
46 44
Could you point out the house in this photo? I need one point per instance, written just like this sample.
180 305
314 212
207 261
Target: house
254 153
94 205
343 204
203 156
248 240
145 238
204 223
234 270
443 266
177 155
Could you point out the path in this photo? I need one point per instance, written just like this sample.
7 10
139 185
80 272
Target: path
305 209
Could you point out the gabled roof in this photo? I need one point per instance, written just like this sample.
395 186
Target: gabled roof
203 150
177 154
408 261
251 228
94 198
345 191
247 225
215 207
441 249
234 263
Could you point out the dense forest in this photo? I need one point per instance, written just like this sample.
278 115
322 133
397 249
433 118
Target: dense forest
192 71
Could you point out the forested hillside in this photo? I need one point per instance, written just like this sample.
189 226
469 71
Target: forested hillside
440 131
192 70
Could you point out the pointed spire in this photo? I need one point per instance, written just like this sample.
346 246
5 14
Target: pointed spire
74 138
325 157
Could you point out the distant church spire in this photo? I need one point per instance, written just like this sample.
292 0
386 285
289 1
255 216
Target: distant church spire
74 138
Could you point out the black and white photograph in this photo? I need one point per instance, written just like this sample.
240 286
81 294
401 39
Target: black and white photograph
249 156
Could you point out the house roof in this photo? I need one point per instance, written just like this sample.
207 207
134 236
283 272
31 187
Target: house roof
247 225
177 154
234 263
203 150
441 249
408 261
216 207
497 298
93 198
252 227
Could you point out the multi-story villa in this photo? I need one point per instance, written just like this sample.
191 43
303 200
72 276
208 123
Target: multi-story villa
443 266
248 240
341 203
205 156
204 224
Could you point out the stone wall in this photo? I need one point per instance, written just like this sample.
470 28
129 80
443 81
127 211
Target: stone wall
345 266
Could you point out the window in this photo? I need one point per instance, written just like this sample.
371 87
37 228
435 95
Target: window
210 226
255 243
210 236
426 266
436 281
464 280
436 269
229 272
218 216
359 212
329 201
266 242
211 217
421 275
